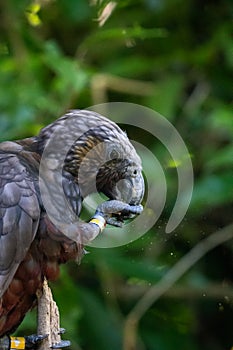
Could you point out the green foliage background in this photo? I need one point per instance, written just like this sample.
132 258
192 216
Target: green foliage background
55 56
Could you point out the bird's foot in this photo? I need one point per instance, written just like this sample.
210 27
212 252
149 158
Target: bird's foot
30 342
115 212
63 343
33 340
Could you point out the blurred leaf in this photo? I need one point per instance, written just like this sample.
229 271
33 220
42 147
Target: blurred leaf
124 33
212 191
221 120
104 332
142 270
221 158
76 11
69 76
129 66
167 96
32 14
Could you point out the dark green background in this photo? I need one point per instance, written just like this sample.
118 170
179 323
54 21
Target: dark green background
52 53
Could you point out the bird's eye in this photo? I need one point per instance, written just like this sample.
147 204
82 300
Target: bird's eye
114 154
135 172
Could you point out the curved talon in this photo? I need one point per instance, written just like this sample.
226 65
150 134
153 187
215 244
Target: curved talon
34 339
134 209
62 344
115 212
61 331
114 222
112 207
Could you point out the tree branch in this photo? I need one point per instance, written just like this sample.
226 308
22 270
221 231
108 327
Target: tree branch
101 83
211 291
48 319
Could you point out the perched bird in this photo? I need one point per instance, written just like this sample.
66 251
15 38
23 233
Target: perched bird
82 152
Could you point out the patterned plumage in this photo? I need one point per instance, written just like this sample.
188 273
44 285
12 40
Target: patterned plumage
93 154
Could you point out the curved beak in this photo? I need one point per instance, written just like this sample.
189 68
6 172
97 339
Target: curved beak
130 190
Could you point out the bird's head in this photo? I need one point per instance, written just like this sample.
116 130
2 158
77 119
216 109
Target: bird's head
101 158
120 176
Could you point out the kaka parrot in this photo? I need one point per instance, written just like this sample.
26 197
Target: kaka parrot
98 158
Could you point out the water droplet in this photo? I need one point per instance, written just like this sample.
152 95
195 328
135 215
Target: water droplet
220 307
